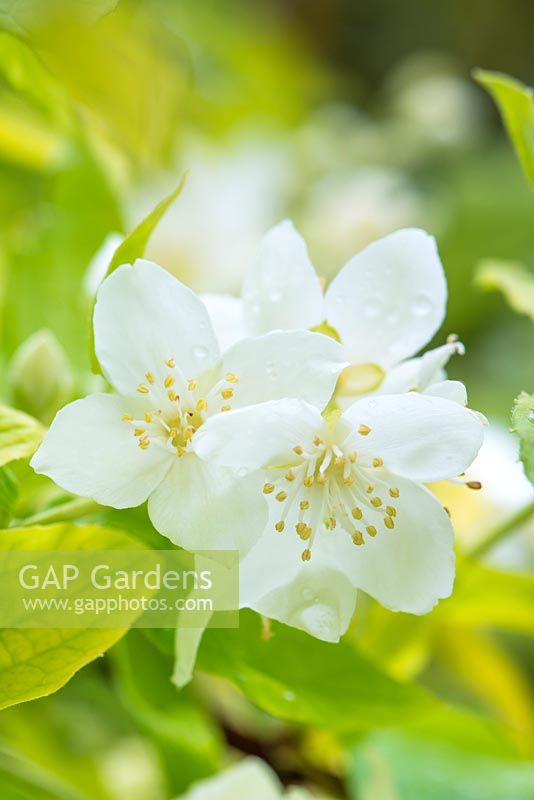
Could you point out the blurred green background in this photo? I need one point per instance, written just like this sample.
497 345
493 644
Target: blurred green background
354 119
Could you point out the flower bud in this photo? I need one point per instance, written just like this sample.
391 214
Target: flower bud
40 376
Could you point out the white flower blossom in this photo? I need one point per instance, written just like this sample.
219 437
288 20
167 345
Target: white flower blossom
347 505
251 778
384 305
156 346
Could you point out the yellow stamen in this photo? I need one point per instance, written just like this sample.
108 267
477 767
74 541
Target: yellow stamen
170 362
304 504
308 481
168 382
148 417
192 385
281 496
377 462
391 510
394 492
268 488
357 538
226 408
352 457
290 476
306 554
364 430
300 527
317 441
474 485
371 530
357 513
389 523
280 526
142 389
376 502
139 431
231 377
149 377
321 479
171 394
127 418
298 450
227 394
201 405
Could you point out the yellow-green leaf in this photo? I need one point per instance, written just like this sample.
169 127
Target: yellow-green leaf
523 424
135 243
20 435
513 279
37 661
516 104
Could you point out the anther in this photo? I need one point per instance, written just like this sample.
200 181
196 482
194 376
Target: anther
201 405
306 554
349 480
333 522
357 513
149 377
304 504
474 485
352 457
321 479
226 408
170 362
317 441
280 526
148 417
371 530
377 462
391 510
281 496
268 488
300 528
357 538
298 450
376 502
394 492
389 523
290 475
192 385
370 489
139 431
143 442
308 481
127 418
231 377
142 389
171 394
168 382
364 430
227 393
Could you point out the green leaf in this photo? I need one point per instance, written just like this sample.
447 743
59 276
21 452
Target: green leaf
523 424
486 597
513 279
189 742
9 491
134 245
23 17
36 662
20 435
516 104
21 780
298 678
404 766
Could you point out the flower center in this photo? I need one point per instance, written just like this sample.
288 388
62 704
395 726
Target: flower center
330 484
177 407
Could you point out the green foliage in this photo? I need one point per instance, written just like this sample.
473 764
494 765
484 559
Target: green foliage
513 279
9 490
183 732
523 424
400 766
298 678
516 104
135 243
36 662
20 435
25 17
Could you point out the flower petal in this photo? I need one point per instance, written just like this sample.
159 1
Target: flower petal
410 567
320 600
250 778
284 364
260 435
389 300
226 315
281 290
90 451
201 506
454 391
418 436
143 315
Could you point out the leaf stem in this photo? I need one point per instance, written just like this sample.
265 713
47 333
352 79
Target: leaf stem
74 509
502 530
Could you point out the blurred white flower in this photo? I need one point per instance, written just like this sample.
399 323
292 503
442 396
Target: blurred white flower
334 481
344 213
251 778
232 194
99 264
155 343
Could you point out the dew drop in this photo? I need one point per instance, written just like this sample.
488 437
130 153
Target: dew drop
422 306
199 351
321 621
373 307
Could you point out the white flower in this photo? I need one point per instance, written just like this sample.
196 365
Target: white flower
385 304
156 346
335 482
251 778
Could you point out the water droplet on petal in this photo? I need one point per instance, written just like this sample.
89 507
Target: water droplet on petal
422 305
199 351
373 307
321 621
